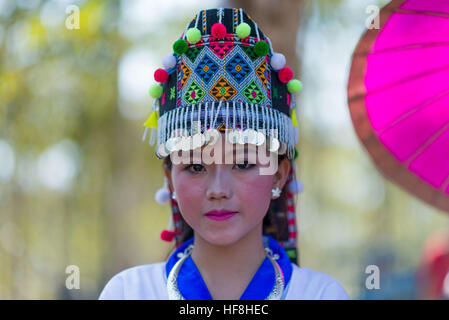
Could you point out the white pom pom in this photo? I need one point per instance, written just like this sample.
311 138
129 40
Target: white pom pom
295 186
278 61
168 61
162 196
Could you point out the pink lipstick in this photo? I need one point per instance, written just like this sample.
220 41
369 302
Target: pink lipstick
220 215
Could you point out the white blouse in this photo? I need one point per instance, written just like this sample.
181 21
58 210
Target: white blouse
148 282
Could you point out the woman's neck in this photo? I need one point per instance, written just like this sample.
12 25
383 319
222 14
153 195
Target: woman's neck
227 270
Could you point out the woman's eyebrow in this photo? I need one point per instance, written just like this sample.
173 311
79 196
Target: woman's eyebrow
238 150
248 152
235 148
190 157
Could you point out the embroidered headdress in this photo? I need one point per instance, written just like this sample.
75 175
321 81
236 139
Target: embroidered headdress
223 74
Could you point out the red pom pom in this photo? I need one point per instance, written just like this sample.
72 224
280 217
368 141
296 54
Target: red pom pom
167 235
285 74
161 75
218 30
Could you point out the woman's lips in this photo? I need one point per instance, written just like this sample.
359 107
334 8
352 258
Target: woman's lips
220 214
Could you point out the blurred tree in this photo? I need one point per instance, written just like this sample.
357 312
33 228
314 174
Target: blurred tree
280 21
60 84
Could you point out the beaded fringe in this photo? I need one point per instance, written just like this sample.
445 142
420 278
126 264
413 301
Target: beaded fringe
198 118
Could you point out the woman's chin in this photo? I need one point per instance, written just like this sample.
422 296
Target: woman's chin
221 237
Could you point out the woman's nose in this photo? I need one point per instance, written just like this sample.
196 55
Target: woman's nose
219 184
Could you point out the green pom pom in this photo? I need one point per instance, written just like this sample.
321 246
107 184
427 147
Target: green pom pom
180 46
155 91
243 30
261 48
193 35
294 86
296 153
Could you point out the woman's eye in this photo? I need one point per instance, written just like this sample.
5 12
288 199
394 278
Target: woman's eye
195 168
244 165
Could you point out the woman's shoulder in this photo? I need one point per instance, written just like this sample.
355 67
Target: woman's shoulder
140 282
308 284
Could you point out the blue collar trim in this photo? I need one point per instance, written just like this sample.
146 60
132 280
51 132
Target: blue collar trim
192 286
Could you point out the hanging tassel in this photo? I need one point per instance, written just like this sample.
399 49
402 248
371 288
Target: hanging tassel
295 122
293 101
296 134
152 124
295 130
144 134
163 194
295 186
166 234
152 120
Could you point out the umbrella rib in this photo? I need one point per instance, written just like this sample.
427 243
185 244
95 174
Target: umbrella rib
430 13
426 144
406 79
404 47
419 107
445 183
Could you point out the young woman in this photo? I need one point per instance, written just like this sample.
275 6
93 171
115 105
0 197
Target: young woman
226 131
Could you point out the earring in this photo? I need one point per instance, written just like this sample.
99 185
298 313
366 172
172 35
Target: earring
276 193
173 196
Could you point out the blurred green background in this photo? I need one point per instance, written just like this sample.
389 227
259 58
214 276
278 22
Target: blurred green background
77 183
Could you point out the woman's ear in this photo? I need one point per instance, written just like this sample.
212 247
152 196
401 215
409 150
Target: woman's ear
280 177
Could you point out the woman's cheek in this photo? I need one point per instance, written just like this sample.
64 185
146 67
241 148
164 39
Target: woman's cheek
189 193
256 183
255 193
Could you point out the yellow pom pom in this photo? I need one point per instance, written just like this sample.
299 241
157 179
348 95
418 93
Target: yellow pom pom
152 120
295 122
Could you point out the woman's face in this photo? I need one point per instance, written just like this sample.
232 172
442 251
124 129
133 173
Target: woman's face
237 187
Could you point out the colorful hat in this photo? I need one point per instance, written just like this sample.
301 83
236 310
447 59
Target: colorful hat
224 75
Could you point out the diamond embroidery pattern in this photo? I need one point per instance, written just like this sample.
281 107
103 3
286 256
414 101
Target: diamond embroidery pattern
193 52
221 49
260 71
244 76
206 68
249 52
194 94
185 73
238 68
252 93
222 90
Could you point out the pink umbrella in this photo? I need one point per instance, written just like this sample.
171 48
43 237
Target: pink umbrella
398 94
